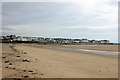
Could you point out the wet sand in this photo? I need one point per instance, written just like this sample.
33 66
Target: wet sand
95 47
36 61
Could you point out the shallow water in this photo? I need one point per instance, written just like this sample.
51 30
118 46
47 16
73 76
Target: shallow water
87 50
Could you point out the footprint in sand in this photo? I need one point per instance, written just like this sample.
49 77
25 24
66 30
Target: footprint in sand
100 71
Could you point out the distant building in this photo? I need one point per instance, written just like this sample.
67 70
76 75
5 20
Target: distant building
35 39
92 41
58 40
20 38
84 41
11 37
53 40
77 41
48 39
66 41
104 41
41 39
1 37
29 38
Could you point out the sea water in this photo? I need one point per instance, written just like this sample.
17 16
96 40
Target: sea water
88 50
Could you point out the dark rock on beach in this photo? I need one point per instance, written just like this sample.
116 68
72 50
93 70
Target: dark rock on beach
25 60
7 61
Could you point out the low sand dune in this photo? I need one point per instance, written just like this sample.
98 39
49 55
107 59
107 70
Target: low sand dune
39 62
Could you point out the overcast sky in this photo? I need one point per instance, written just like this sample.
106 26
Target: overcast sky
93 19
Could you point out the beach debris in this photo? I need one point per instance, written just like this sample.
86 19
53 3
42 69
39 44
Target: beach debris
30 71
25 52
25 76
100 71
18 79
7 61
24 70
17 56
34 73
41 74
6 67
13 68
10 63
3 57
25 60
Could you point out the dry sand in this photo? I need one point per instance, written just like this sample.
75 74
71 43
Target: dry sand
25 60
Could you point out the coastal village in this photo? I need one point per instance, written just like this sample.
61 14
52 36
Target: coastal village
14 38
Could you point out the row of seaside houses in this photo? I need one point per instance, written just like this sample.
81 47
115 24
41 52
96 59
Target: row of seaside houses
55 40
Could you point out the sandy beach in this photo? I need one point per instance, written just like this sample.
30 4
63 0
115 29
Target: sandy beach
37 61
95 47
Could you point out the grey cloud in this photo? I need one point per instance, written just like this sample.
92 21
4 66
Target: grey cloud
54 15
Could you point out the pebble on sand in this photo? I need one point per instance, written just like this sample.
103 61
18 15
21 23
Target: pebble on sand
25 60
30 71
7 61
42 74
10 63
3 57
6 67
17 56
25 53
13 68
25 76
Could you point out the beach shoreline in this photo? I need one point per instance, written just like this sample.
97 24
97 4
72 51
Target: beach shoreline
41 62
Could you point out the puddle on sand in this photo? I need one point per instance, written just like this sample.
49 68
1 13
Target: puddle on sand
87 50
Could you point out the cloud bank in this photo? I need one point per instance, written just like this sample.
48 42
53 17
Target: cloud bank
94 19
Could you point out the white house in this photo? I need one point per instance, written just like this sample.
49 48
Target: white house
41 39
76 40
104 41
84 41
66 41
20 38
1 37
